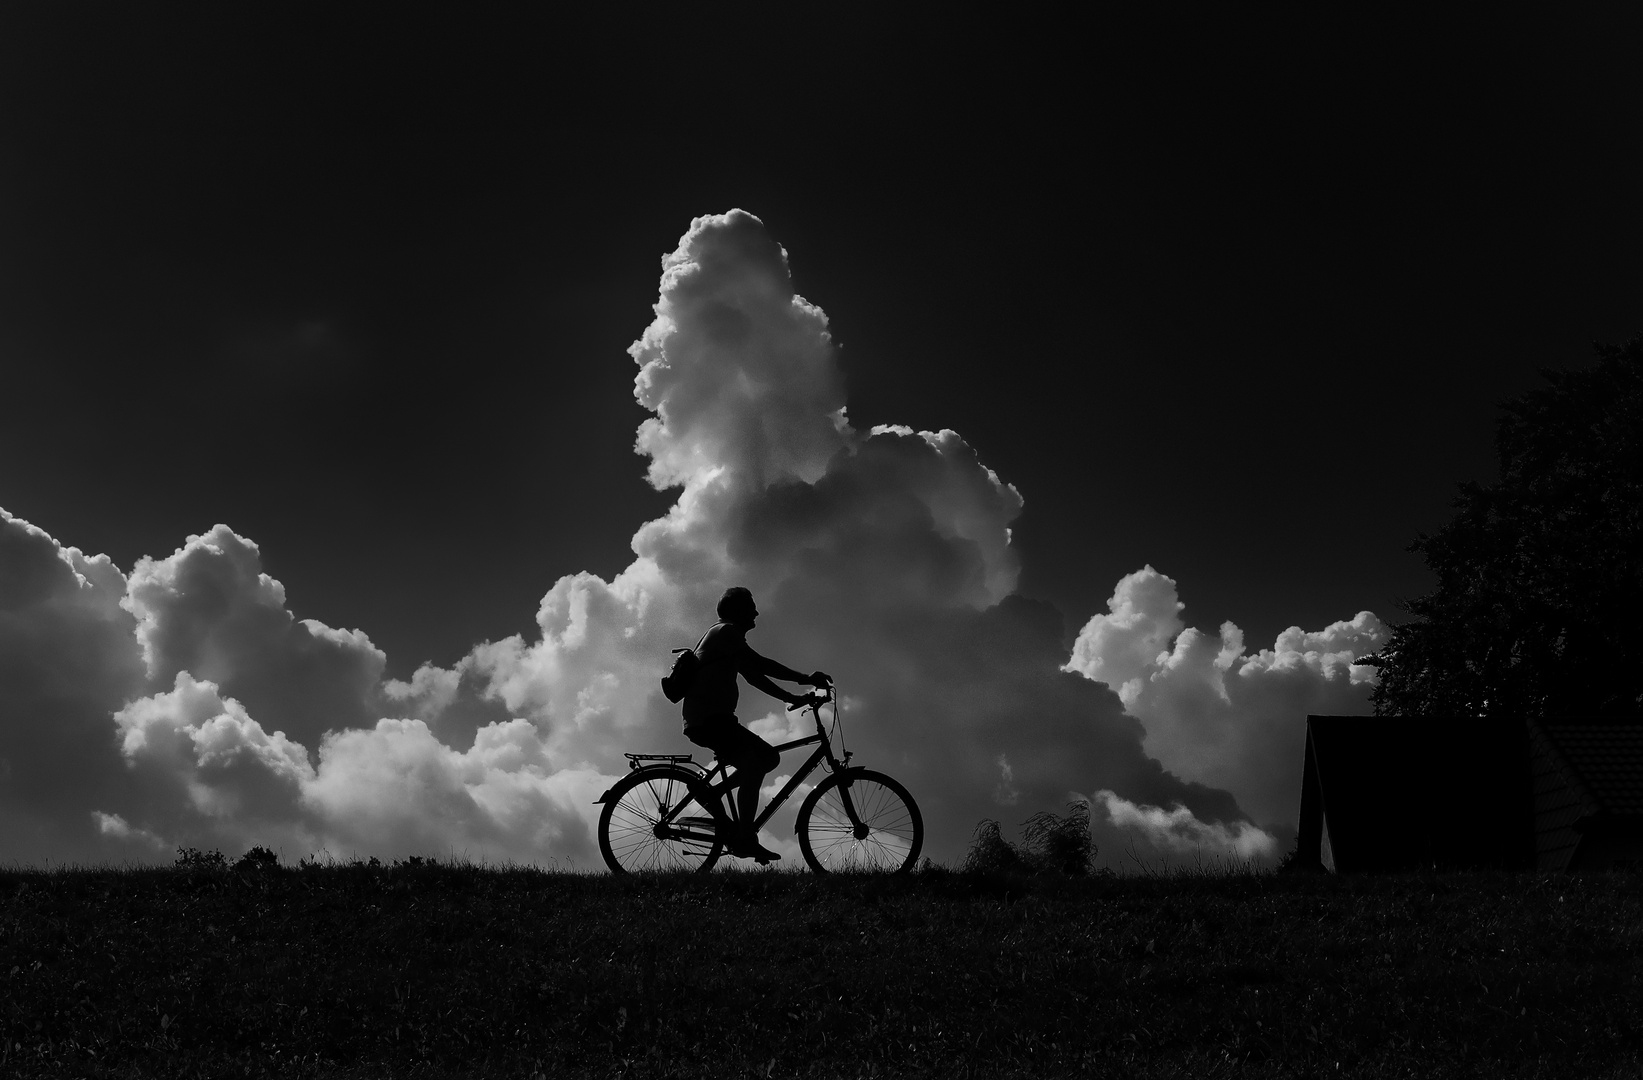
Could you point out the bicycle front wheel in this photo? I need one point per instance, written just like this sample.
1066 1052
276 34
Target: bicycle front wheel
860 820
655 819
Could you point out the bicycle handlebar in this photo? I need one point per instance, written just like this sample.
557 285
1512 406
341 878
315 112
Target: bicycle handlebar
811 701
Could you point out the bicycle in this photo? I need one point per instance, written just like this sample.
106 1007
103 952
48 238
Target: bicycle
855 819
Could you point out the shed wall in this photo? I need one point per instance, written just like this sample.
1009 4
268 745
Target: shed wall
1557 808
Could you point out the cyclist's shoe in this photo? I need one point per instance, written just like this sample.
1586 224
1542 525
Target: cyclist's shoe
759 853
752 849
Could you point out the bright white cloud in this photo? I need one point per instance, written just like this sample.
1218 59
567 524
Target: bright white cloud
1122 648
209 774
1176 831
194 726
395 789
113 825
210 610
1214 713
738 369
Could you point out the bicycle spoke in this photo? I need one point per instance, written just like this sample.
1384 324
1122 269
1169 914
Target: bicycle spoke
891 830
644 827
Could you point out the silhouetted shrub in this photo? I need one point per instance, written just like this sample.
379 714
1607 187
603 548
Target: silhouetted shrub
1061 843
1051 844
194 859
258 858
990 853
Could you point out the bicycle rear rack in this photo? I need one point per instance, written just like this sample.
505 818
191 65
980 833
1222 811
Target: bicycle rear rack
634 760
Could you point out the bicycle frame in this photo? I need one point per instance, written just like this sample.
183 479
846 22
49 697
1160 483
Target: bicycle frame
823 752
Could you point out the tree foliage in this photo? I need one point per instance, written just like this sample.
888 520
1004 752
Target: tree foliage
1538 609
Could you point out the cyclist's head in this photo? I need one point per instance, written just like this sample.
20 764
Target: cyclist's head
737 606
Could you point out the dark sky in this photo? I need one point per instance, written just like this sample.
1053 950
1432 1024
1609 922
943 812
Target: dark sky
1235 299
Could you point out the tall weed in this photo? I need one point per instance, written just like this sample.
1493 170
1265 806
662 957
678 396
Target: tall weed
1053 844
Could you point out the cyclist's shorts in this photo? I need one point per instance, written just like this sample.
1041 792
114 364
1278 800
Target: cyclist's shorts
733 744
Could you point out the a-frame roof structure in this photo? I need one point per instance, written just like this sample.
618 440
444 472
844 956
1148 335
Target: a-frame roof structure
1406 793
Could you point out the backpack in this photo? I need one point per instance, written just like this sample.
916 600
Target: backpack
676 683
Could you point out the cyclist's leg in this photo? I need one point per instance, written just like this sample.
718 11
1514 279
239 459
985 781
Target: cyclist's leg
713 733
753 759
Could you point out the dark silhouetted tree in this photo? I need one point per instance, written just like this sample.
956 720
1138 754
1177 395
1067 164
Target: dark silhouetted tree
1538 609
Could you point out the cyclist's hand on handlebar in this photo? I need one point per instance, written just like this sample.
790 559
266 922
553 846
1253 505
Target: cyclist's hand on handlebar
806 701
821 680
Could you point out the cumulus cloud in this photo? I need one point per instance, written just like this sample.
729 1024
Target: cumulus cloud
116 745
1214 712
209 770
210 767
114 825
204 710
210 610
1177 831
68 660
396 788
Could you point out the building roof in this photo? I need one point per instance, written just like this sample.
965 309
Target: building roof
1405 792
1602 761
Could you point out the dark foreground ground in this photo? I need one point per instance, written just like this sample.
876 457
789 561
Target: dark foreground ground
436 971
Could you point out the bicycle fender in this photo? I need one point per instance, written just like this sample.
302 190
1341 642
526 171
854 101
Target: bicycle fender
645 768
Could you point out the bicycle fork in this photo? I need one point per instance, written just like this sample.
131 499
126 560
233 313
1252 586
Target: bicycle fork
858 827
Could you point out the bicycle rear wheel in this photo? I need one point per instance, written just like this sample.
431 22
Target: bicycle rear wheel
884 835
643 828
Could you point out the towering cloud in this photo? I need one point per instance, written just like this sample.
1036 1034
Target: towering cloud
882 556
203 711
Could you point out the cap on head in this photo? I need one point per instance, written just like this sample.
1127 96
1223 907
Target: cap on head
735 602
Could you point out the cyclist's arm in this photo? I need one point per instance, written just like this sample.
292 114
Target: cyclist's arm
753 664
757 680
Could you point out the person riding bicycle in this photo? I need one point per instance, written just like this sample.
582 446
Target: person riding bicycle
710 708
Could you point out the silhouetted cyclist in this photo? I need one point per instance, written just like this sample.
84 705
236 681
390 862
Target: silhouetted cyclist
710 708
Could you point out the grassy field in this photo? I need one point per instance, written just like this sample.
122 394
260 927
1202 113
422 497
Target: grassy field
428 970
